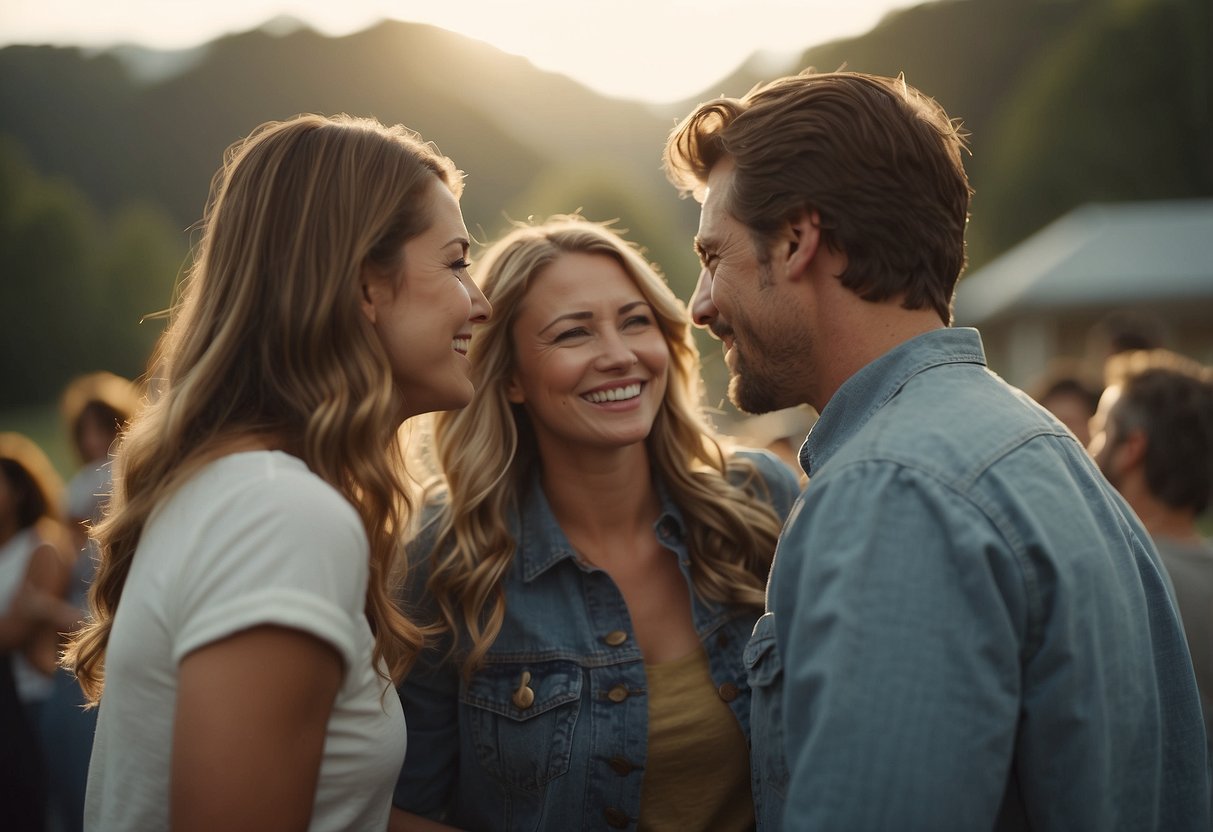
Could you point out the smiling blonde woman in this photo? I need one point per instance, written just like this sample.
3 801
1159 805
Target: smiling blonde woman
593 558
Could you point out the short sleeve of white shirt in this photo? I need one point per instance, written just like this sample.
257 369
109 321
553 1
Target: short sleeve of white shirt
282 548
252 539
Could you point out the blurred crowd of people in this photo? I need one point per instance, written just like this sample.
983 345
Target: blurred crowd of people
47 562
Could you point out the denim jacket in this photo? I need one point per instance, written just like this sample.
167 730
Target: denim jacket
551 732
968 628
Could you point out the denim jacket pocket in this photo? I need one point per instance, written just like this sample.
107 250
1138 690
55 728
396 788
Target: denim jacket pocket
521 716
764 669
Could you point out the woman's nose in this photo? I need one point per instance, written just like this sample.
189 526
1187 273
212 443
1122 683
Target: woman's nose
615 353
482 310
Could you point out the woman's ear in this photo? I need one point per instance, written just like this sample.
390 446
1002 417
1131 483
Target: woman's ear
513 391
371 290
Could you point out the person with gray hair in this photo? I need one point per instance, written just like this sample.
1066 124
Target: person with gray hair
1152 436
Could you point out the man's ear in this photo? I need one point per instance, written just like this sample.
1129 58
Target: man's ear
1132 449
804 239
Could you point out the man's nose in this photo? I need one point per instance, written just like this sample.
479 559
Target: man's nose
701 307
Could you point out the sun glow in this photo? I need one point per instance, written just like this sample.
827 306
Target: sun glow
652 50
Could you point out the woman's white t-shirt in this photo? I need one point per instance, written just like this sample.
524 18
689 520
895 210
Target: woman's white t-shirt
252 539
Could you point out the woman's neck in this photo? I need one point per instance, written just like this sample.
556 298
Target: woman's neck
601 495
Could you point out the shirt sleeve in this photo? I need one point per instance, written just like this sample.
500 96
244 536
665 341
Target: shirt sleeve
288 552
899 613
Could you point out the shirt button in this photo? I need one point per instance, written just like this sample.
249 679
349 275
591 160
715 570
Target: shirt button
618 693
615 638
728 691
621 766
616 818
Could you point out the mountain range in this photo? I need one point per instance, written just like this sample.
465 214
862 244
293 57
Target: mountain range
1064 100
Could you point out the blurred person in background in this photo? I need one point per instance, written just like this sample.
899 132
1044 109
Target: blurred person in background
966 628
35 563
243 639
1153 439
95 408
593 558
1065 392
1126 330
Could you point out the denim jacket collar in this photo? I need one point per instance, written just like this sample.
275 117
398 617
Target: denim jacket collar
542 543
872 387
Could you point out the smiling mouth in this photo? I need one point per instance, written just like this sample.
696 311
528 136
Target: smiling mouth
615 394
462 344
720 332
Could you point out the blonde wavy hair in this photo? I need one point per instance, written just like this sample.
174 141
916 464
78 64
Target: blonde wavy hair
268 340
486 451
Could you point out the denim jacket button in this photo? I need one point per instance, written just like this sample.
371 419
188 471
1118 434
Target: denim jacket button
524 696
621 766
615 638
616 818
618 693
728 691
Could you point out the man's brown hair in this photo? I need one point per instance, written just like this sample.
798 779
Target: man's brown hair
878 161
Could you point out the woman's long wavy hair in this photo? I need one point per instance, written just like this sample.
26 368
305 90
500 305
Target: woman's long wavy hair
269 340
486 451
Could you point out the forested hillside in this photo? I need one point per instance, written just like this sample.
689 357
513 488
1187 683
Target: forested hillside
103 172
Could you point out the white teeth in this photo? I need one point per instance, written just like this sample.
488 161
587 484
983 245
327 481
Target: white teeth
461 345
616 394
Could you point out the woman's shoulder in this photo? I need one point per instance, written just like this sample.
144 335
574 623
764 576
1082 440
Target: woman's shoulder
266 489
269 478
776 480
745 462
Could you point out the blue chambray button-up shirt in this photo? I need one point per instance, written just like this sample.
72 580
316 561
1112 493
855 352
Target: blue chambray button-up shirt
967 628
570 755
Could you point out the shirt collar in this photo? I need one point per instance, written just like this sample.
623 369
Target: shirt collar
870 389
542 543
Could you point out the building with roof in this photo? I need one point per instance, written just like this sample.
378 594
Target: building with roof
1047 297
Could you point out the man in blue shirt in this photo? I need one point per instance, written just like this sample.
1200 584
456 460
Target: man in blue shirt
967 628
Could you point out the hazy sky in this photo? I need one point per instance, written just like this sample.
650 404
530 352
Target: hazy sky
656 50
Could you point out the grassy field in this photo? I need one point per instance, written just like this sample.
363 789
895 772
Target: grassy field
42 425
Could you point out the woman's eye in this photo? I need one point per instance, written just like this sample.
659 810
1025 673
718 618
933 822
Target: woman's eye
576 332
637 321
461 265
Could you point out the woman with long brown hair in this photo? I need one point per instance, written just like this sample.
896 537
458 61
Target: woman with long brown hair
243 638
